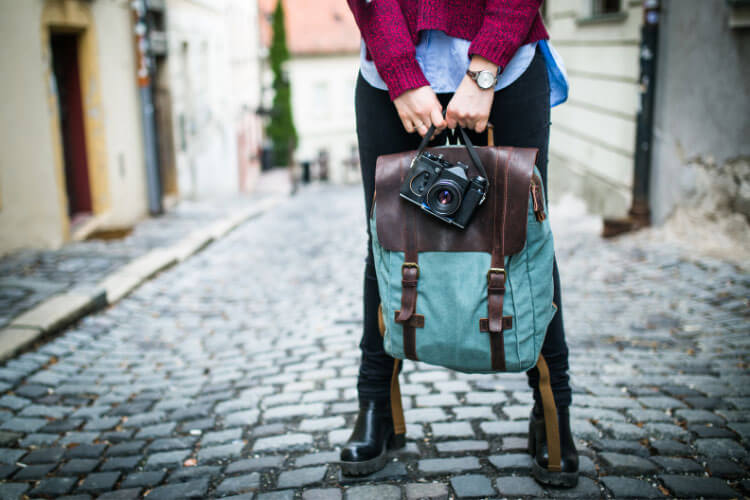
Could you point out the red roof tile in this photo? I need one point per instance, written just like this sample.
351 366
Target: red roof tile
313 26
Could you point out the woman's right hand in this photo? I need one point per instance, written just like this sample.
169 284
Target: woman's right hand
418 109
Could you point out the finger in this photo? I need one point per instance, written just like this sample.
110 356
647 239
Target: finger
450 118
408 126
419 125
480 126
437 118
464 119
423 129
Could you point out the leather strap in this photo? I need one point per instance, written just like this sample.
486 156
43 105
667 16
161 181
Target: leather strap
397 411
484 324
469 147
551 427
409 281
381 323
496 275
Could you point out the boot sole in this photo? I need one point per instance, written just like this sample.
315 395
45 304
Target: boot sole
366 467
548 478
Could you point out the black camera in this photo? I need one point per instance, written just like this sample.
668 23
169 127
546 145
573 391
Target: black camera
443 189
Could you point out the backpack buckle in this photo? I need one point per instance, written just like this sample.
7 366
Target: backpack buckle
495 270
407 265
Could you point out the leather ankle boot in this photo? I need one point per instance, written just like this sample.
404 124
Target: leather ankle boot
567 477
366 451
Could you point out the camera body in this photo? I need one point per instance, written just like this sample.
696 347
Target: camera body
443 189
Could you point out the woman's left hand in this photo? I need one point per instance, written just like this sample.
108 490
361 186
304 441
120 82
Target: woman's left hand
470 106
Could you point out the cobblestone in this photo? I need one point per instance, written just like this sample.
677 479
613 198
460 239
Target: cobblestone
619 463
234 373
516 486
448 465
512 462
472 486
426 491
380 492
322 494
626 487
301 477
720 448
189 489
687 486
239 484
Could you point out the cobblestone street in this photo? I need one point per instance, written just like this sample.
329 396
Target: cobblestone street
234 373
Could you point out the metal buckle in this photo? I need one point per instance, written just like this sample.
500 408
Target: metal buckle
495 270
410 264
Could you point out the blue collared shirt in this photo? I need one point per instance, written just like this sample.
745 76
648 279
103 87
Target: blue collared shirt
444 60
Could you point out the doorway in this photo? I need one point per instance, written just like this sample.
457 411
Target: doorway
66 70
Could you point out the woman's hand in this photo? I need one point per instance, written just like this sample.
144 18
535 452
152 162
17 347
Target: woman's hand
418 109
470 106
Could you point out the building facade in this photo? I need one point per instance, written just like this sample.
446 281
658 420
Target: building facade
323 43
214 76
699 155
593 134
111 106
71 136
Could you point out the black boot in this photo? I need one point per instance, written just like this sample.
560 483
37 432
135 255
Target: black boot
567 477
366 451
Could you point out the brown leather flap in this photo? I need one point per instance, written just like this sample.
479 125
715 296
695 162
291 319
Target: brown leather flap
434 235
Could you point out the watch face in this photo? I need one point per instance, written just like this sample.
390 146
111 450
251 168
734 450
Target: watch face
485 79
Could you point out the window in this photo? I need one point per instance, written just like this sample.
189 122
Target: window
604 11
603 7
321 100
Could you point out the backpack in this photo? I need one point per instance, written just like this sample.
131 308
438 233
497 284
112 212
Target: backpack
476 300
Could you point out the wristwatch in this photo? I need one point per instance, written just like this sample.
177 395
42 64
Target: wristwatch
485 79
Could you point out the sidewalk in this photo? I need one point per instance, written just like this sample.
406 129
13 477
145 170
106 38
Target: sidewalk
42 291
233 374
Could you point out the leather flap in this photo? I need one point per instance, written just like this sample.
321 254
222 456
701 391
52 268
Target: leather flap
434 235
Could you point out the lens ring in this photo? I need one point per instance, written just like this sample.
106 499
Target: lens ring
438 189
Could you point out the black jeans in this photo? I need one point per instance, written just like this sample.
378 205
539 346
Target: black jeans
521 116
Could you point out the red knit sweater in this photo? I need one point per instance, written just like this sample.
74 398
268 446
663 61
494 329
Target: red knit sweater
390 29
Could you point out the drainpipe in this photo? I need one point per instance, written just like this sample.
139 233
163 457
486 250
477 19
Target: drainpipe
153 180
639 214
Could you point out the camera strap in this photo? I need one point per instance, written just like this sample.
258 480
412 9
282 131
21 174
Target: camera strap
467 142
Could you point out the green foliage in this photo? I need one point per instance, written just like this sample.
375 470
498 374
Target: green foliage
280 128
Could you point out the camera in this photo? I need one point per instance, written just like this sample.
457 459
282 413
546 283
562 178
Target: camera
443 189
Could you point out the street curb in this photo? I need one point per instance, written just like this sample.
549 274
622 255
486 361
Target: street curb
61 310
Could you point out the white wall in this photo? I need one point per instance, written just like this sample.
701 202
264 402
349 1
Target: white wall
30 206
201 85
120 106
701 124
241 20
593 134
323 107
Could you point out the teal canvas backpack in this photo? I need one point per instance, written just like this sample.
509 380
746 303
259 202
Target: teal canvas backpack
476 300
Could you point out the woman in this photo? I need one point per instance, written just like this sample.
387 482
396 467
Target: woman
480 61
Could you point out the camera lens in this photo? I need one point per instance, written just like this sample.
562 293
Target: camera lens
444 197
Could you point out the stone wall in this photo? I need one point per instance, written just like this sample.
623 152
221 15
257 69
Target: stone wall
701 160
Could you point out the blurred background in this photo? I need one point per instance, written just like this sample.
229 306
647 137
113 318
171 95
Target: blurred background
137 134
114 109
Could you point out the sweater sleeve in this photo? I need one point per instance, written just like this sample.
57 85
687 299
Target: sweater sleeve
386 35
505 25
